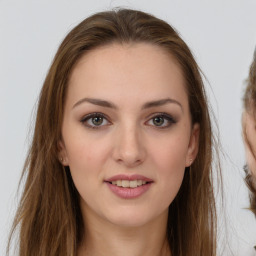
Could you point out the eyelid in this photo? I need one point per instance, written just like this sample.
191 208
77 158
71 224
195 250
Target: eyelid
162 114
167 117
87 117
171 120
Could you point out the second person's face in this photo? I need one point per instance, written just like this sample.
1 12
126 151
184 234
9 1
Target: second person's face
127 133
250 139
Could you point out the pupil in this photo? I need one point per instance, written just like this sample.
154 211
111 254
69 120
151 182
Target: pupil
97 120
158 121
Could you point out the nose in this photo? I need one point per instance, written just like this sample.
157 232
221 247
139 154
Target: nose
129 147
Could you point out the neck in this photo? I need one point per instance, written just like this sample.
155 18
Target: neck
105 238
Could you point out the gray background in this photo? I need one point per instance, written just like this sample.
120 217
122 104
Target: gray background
222 36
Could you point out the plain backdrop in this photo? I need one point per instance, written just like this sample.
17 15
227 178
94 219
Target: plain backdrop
222 37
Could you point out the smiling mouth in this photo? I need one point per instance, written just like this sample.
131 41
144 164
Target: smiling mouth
129 183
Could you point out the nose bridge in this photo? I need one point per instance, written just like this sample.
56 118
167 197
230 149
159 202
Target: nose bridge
129 148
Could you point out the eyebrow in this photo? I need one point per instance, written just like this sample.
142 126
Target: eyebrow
162 102
98 102
107 104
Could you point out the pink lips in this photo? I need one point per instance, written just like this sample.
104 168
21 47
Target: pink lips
129 193
129 177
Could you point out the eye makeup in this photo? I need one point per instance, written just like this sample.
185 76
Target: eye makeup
161 120
99 120
95 120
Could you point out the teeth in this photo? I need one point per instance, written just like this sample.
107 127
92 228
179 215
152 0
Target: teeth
133 184
129 184
125 183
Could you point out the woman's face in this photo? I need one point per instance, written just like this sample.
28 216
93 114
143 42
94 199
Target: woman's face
127 133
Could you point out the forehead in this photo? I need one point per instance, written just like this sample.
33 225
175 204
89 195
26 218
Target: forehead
128 70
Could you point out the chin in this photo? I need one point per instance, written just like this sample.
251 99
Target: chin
130 222
132 218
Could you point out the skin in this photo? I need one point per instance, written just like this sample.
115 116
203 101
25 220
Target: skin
250 132
127 77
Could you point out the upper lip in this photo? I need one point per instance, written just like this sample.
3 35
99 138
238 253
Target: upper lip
128 177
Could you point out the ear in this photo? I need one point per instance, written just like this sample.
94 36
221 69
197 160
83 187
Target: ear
193 145
62 153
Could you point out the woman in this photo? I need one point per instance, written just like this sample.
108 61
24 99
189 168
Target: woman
120 162
249 133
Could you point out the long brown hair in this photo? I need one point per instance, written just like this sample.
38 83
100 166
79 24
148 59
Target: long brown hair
49 217
249 101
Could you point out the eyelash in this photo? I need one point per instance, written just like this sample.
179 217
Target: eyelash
86 118
170 120
166 117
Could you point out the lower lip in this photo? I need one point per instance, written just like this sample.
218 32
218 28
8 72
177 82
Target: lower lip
129 193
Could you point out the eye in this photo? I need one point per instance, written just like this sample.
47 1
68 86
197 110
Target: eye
95 120
161 120
158 121
246 169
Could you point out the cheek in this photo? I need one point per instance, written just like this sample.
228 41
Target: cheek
86 158
251 133
251 161
171 169
170 154
170 161
86 162
86 150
